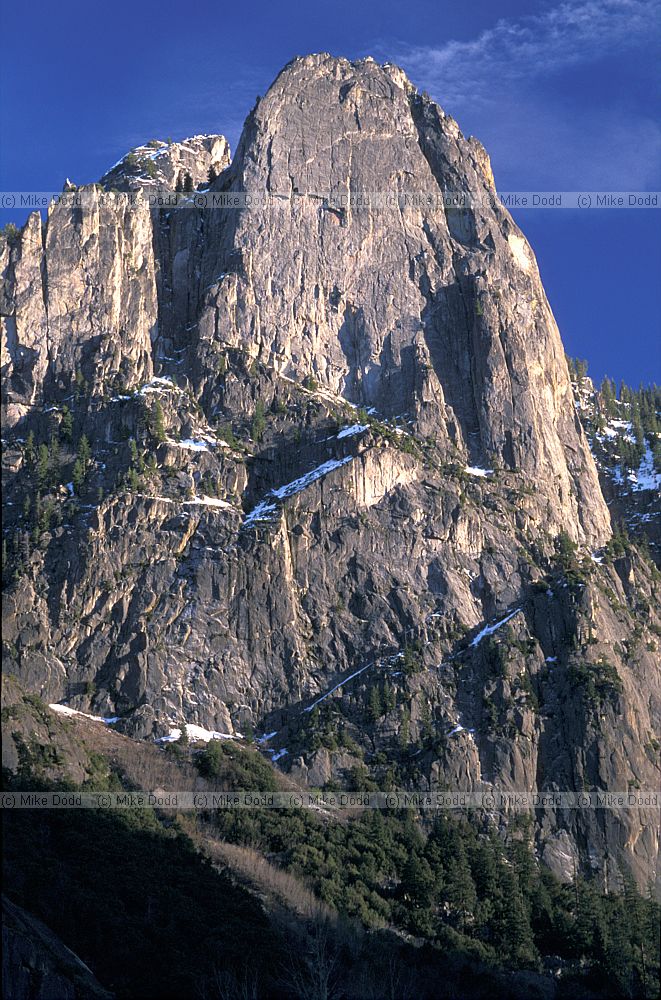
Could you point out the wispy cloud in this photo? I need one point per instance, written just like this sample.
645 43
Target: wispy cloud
532 47
506 86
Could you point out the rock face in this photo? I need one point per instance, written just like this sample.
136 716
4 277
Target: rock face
36 965
428 311
324 431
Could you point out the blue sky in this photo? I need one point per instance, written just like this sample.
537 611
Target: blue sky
562 94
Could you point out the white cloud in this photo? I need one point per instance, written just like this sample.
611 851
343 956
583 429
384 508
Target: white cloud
503 86
534 46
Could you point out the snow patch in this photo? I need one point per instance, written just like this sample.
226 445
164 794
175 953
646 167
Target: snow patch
159 384
196 734
475 470
338 686
266 509
210 502
65 710
490 629
646 478
172 737
206 735
190 444
351 431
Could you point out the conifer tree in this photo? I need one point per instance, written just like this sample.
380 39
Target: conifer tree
158 422
78 476
375 709
43 466
84 452
66 424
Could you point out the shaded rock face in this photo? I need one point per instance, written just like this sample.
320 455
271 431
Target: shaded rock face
36 965
244 535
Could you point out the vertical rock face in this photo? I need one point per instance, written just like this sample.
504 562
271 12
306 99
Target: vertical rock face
81 299
403 304
23 321
81 293
326 430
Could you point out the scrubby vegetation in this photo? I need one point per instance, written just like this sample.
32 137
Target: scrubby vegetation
463 888
153 918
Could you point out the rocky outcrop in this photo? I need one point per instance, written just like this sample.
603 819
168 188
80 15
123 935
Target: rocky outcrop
36 965
174 166
320 431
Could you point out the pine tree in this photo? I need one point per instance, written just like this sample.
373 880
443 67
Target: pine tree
514 921
258 422
84 452
133 480
375 708
607 396
46 515
43 466
158 422
581 368
66 424
54 460
389 700
29 447
405 729
410 660
418 882
77 476
460 888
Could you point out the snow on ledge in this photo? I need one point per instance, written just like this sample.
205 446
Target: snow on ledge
203 501
159 384
206 735
490 629
190 444
475 470
266 509
351 431
197 735
65 710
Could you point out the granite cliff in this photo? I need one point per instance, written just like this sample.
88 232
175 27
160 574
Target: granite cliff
322 452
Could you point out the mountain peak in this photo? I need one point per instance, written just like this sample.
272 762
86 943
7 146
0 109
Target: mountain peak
169 164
